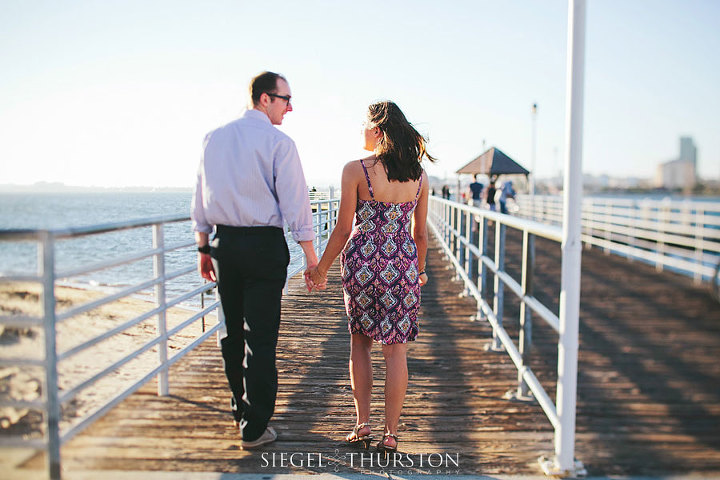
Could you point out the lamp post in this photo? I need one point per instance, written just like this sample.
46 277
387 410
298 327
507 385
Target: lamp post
532 158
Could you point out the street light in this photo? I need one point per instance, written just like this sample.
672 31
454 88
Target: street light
532 158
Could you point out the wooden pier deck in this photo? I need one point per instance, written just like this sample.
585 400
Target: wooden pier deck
648 386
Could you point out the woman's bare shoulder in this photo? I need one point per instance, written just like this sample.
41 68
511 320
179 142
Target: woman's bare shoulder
354 167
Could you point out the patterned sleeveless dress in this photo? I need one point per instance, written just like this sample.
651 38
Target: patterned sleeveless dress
379 269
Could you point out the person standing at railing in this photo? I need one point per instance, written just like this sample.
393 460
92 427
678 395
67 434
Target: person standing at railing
250 182
383 264
490 195
476 189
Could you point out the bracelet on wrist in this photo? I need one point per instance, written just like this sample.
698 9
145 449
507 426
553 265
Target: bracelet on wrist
422 273
204 249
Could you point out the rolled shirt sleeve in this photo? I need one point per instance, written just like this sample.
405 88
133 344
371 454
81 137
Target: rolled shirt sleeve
197 211
197 207
292 192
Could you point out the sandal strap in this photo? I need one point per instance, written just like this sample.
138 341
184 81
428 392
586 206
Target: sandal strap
355 431
391 435
359 427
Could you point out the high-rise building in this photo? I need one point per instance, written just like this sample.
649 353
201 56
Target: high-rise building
682 172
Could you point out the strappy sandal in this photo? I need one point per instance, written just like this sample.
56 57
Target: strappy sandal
381 447
354 438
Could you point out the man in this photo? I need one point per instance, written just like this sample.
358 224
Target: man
249 183
506 191
476 189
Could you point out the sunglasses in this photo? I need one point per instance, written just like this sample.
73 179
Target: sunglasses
284 97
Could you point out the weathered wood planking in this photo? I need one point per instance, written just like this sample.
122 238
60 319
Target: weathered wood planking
648 391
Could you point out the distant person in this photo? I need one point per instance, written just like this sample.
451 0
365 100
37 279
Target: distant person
476 189
506 191
250 181
490 195
446 192
382 262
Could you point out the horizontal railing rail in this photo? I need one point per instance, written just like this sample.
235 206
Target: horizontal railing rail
682 235
61 385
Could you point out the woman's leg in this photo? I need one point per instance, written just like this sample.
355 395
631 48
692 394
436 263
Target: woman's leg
396 379
361 378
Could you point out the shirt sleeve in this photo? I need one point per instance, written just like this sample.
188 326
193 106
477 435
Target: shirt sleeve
292 192
197 210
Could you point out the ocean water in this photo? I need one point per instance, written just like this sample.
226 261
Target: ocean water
59 210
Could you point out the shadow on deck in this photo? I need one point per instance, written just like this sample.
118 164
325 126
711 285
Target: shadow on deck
648 387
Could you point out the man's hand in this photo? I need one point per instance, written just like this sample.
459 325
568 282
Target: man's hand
205 267
315 280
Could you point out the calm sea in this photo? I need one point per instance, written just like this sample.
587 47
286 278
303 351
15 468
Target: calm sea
58 210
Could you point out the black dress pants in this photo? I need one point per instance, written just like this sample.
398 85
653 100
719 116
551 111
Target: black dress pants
251 268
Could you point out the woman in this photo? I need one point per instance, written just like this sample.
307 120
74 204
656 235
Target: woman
383 265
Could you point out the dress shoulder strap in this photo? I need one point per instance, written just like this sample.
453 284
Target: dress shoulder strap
367 177
417 194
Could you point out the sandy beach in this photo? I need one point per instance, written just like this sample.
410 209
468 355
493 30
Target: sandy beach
26 383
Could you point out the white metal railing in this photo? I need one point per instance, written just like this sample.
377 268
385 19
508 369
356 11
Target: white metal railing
57 428
681 235
463 233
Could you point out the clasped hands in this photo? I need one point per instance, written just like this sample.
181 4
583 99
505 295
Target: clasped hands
314 279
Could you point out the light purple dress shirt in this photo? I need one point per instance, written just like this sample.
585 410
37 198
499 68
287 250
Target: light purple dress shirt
250 175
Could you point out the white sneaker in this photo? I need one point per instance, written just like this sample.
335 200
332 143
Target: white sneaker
268 436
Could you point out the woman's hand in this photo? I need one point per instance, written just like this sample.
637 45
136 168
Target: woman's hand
314 279
423 279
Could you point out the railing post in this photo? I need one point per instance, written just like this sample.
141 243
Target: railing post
159 272
202 307
525 335
457 219
451 230
634 221
590 218
699 243
663 221
46 265
499 286
466 249
607 221
447 225
461 229
482 279
473 264
318 227
469 238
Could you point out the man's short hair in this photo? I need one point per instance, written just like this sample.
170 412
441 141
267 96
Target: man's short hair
266 82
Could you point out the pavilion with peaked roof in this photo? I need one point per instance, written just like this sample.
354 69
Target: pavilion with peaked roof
493 162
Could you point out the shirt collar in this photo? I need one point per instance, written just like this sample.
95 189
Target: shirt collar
257 115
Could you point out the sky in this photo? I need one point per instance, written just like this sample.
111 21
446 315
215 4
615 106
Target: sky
121 93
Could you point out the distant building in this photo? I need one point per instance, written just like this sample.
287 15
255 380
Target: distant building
680 173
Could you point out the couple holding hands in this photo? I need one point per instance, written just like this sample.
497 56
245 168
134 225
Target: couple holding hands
249 182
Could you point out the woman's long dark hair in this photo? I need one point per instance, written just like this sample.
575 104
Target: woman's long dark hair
400 148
